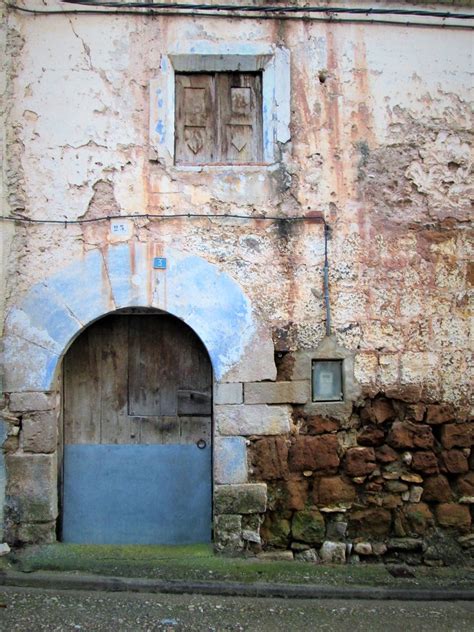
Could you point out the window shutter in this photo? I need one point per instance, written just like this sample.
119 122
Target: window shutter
195 120
239 125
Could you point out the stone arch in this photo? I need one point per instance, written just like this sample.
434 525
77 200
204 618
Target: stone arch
41 328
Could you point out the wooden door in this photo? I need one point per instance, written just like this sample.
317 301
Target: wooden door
137 433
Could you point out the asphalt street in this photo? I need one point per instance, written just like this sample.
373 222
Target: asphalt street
31 610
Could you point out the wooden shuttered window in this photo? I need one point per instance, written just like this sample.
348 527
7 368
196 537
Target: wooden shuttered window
218 118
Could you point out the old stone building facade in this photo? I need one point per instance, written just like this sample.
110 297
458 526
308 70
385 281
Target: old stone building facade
236 276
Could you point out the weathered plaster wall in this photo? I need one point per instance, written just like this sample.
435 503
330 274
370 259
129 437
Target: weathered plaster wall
380 146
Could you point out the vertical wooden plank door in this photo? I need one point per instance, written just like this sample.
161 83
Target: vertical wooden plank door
137 434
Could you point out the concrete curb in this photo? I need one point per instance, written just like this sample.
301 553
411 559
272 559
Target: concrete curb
59 581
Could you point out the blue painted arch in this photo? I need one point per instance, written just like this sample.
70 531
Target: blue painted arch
54 312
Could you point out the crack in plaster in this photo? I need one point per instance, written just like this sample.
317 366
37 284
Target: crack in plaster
36 344
106 268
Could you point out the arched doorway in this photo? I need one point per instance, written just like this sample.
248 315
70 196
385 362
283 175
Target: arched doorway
137 464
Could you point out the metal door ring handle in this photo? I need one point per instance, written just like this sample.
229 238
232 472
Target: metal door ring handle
201 444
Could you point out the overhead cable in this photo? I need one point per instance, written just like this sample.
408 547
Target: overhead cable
273 8
328 16
150 216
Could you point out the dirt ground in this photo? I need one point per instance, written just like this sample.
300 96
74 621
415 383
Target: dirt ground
29 610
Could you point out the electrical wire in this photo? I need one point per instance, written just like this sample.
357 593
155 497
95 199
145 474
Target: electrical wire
273 8
328 17
149 216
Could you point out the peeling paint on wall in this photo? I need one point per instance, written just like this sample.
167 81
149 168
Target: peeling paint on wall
53 312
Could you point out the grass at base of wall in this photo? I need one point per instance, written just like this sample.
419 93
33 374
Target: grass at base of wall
200 563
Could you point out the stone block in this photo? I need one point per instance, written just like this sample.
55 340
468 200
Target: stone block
454 462
276 556
439 413
228 533
256 419
308 526
453 516
276 530
416 492
415 412
318 453
465 484
371 436
363 548
395 487
32 486
379 548
370 522
336 527
437 489
457 435
32 401
240 499
408 435
335 490
378 411
230 460
228 393
37 533
359 461
39 432
320 425
425 461
413 519
333 552
404 544
386 454
269 458
296 492
277 392
309 555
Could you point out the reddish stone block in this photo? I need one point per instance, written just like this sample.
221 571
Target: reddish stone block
465 484
439 413
453 516
296 492
375 521
457 435
413 519
454 462
411 393
437 489
405 434
359 461
382 410
386 454
321 425
425 462
415 412
371 436
378 411
314 453
335 490
269 457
